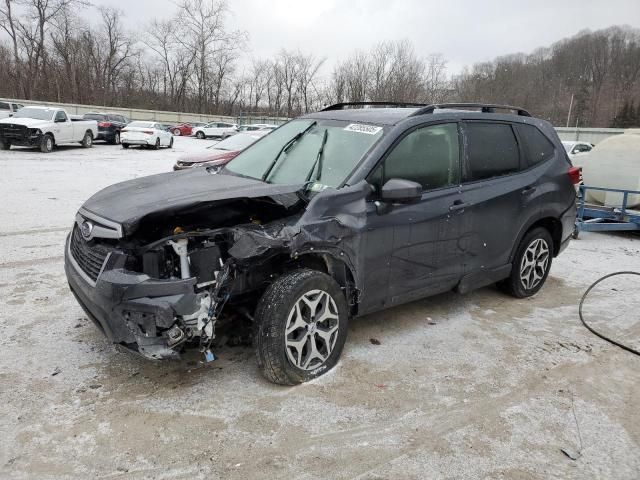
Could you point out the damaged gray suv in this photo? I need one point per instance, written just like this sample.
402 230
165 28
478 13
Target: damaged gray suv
336 214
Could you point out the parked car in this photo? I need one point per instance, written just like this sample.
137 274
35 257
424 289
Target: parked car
334 215
7 109
256 127
216 129
109 125
220 153
181 129
45 127
146 134
577 150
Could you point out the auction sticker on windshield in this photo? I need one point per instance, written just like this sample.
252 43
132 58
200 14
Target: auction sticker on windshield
358 127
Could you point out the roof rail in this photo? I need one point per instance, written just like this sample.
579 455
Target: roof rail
484 107
344 105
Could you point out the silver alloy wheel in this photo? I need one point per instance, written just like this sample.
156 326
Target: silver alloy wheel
49 141
535 262
312 330
117 139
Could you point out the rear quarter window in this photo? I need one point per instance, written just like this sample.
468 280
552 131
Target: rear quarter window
492 150
535 145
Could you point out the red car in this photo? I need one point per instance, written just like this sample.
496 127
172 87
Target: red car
181 129
220 153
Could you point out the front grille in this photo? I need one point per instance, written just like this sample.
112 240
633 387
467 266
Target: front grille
90 256
11 131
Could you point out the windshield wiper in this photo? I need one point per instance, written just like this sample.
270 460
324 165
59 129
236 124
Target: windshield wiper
318 161
287 146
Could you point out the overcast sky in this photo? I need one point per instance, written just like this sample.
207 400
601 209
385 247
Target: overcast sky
465 32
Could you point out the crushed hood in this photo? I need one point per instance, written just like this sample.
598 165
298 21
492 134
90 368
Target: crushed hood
128 202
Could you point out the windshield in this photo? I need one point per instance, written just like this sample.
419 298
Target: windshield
345 144
141 124
236 142
35 113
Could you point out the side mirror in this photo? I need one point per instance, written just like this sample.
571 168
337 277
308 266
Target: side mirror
398 190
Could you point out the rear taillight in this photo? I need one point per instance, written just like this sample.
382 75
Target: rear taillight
575 175
104 124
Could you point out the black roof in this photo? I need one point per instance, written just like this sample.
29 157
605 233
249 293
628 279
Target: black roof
377 116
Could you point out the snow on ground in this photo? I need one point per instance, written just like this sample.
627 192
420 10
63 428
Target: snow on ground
473 386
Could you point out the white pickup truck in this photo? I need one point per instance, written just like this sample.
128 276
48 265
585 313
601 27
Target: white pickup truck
45 127
7 109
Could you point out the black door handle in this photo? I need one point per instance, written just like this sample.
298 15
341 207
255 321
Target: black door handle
458 205
528 190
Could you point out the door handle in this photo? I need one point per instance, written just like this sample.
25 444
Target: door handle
458 205
528 190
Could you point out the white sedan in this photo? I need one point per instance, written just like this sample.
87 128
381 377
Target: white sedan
147 134
575 150
216 129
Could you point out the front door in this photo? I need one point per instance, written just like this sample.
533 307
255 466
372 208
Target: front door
425 256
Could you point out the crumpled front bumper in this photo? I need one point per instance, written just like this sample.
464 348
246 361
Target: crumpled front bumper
132 309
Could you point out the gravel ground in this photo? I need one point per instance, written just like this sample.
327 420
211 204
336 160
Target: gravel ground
473 386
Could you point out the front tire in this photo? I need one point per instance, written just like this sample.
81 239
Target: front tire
171 143
125 145
301 327
531 264
156 146
177 132
46 144
200 135
87 140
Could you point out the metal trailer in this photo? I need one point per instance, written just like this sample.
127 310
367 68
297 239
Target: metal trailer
600 218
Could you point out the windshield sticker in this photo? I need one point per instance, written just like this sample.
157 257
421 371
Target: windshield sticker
368 129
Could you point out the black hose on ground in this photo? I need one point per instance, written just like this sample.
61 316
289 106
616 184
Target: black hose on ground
598 334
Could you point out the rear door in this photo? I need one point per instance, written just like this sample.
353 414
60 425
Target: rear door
425 256
497 192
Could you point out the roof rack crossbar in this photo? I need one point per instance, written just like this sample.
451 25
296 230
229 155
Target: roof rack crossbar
344 105
484 107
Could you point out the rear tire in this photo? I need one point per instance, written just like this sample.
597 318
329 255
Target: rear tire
87 140
171 143
4 145
311 307
116 138
531 264
200 135
46 143
156 146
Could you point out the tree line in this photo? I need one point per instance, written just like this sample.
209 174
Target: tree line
194 62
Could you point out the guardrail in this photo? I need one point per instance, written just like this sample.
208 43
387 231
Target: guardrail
155 115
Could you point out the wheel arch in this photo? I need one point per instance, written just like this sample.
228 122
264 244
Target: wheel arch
335 267
549 222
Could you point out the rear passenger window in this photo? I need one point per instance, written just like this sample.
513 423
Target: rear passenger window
492 151
537 148
428 156
4 106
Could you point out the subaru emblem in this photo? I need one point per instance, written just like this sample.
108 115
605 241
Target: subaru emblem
86 228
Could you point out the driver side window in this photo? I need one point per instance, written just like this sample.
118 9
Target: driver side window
60 116
429 156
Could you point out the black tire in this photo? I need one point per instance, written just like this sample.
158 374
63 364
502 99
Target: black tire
171 143
87 140
176 132
514 285
116 138
4 145
200 135
46 143
271 319
156 146
125 145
